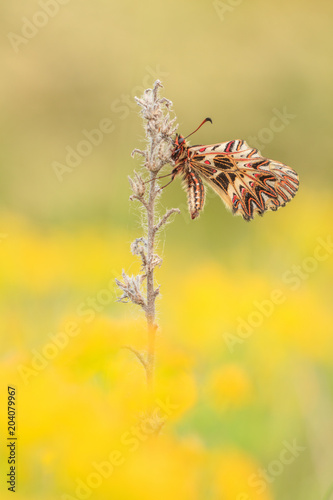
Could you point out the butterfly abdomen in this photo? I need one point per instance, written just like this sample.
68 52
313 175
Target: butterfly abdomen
195 193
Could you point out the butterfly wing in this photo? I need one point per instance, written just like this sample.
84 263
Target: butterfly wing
247 182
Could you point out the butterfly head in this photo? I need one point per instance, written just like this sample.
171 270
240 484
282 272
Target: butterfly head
179 148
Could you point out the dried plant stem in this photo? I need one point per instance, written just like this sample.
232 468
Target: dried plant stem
150 313
159 131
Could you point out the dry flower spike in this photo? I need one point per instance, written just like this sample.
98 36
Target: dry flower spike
141 289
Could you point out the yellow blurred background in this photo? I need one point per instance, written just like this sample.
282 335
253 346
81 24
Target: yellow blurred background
244 359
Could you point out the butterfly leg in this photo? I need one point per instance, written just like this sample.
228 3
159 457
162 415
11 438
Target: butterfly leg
160 177
165 185
174 172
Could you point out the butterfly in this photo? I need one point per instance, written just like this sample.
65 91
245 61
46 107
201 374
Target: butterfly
247 182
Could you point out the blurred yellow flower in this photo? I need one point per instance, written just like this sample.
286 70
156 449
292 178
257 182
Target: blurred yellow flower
237 478
161 468
229 387
177 391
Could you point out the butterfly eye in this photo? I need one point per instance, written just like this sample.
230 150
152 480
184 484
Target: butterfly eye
181 140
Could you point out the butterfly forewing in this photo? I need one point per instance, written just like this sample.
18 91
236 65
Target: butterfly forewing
247 182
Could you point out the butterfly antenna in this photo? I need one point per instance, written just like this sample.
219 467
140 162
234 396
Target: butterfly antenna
205 120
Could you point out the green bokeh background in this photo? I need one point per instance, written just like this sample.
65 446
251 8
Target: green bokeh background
237 62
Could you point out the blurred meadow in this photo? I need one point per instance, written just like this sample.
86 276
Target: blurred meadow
244 356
